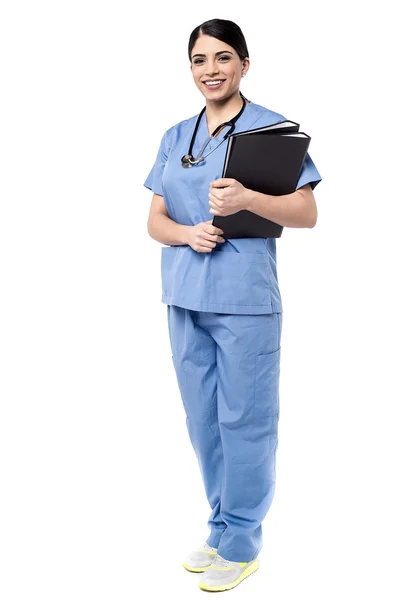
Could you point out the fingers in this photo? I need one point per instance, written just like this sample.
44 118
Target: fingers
214 238
208 237
222 182
208 243
214 230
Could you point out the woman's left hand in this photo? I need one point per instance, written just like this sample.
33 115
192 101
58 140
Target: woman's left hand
227 196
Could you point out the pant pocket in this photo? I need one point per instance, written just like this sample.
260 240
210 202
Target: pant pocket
267 378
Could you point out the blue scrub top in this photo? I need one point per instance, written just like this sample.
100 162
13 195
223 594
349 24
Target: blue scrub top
238 276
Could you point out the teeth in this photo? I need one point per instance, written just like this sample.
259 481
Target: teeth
213 82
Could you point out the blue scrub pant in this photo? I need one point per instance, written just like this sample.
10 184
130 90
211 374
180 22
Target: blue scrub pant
228 368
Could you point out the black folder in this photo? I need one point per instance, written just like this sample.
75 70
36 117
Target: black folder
268 160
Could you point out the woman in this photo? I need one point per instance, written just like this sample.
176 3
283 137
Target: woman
223 304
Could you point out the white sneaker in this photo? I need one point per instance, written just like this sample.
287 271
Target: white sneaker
226 574
199 560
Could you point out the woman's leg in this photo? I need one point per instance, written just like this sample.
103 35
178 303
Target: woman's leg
248 369
194 359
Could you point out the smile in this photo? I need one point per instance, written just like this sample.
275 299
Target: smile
215 83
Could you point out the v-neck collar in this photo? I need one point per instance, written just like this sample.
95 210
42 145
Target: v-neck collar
221 132
203 131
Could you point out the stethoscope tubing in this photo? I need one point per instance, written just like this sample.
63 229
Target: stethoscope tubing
202 157
188 160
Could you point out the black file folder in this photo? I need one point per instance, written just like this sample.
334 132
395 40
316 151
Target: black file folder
268 160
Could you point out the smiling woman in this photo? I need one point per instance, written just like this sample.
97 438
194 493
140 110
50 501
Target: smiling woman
218 70
223 56
224 306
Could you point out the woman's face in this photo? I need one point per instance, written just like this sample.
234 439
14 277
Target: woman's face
212 59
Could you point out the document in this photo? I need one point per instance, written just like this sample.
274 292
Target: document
268 160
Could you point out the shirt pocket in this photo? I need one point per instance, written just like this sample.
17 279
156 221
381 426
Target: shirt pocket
238 278
217 279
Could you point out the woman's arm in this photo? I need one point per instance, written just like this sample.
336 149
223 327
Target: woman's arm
290 210
162 228
228 196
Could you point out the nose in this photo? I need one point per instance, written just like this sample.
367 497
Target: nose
213 67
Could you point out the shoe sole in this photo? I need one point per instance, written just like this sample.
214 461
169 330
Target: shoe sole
221 588
196 569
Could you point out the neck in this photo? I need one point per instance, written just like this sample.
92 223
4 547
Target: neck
219 111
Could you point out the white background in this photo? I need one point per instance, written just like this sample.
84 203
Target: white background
100 488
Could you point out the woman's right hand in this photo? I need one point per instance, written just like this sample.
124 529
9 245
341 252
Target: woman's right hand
204 236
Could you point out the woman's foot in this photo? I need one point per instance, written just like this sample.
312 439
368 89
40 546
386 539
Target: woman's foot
199 560
226 574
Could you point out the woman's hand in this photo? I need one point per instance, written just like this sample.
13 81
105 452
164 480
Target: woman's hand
227 196
204 236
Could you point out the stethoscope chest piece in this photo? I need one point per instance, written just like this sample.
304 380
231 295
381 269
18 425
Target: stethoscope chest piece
185 161
189 161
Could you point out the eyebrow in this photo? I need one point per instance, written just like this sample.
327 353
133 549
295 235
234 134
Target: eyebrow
216 53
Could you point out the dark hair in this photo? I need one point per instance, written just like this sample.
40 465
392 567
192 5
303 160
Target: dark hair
223 30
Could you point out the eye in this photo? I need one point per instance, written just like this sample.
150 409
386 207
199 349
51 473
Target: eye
198 61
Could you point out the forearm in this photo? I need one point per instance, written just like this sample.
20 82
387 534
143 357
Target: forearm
166 231
289 210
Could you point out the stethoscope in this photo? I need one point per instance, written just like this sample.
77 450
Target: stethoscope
188 160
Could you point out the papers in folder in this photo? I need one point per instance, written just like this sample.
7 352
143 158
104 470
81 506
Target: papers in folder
267 160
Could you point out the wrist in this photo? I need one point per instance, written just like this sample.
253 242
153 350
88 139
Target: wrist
249 198
184 235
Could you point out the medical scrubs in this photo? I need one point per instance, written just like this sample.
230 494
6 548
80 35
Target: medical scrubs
224 314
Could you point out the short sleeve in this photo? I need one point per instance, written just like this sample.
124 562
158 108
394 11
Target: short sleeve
308 174
154 178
